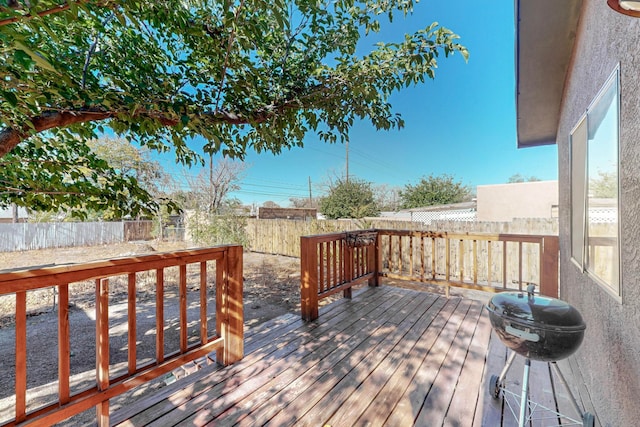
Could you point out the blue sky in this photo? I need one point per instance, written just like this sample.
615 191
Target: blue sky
462 123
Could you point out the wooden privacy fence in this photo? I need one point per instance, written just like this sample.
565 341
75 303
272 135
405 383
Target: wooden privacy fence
226 340
488 262
32 236
282 236
483 261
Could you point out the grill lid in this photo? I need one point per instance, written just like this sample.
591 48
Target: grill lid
536 311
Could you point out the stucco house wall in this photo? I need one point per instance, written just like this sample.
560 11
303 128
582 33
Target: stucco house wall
609 358
504 202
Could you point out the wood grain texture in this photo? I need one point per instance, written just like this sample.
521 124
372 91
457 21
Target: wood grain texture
389 356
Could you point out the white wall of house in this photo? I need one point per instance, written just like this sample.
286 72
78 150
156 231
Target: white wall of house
504 202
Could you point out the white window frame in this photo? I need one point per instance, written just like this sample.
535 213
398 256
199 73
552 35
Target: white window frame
582 174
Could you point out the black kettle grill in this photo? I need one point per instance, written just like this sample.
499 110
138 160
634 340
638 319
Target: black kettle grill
539 328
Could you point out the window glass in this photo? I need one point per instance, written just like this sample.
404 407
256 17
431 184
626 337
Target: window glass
602 241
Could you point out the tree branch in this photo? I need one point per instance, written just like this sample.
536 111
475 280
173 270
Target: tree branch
10 136
53 10
57 9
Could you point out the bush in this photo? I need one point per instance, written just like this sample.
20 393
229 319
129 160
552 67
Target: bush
219 230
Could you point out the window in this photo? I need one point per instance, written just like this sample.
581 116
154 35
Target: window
595 242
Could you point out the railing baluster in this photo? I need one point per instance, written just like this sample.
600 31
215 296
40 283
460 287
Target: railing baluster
475 262
422 250
400 264
222 305
447 258
64 351
321 266
433 258
21 355
159 315
461 259
520 266
204 332
390 253
132 325
182 295
334 259
504 264
341 278
411 271
489 263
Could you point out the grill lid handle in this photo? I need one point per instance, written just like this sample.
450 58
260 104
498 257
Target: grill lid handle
531 290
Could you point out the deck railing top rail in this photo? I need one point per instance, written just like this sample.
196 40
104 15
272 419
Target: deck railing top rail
36 277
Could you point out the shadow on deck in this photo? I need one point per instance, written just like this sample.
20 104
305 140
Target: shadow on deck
389 356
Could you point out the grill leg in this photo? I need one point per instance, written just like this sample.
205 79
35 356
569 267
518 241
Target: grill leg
506 367
566 386
524 400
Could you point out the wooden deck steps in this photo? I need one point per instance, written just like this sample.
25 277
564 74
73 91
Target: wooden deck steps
389 357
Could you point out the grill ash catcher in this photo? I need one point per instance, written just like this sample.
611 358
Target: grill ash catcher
539 328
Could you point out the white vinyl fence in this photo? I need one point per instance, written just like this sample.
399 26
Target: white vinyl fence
30 236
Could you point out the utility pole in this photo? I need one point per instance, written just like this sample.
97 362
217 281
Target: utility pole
310 198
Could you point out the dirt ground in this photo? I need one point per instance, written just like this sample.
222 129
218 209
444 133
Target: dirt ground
271 288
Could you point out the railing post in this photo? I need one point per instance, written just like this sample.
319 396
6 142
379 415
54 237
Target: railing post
229 308
374 259
102 348
308 278
349 267
549 266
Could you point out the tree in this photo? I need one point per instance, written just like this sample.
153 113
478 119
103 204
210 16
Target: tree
129 160
213 220
211 187
434 190
349 199
515 178
270 204
242 75
304 202
605 185
387 197
50 176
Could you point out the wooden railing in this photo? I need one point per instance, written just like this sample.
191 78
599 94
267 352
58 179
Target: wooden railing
332 263
226 340
488 262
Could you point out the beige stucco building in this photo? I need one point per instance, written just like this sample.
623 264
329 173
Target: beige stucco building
505 202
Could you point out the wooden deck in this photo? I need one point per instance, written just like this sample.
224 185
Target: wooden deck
389 356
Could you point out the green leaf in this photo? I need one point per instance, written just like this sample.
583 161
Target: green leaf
10 97
37 58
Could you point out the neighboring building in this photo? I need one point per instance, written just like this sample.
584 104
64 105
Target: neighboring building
287 213
6 215
494 203
504 202
465 211
578 86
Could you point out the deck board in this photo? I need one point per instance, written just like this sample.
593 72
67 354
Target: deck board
388 357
